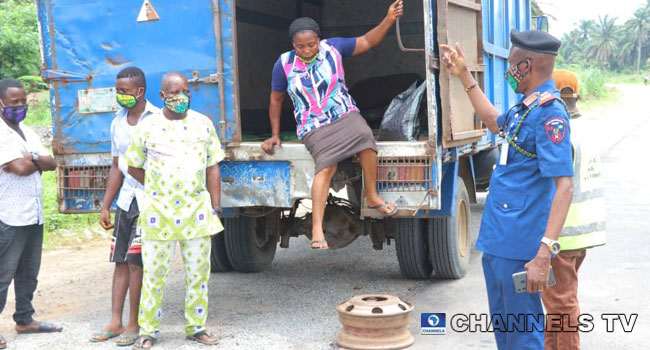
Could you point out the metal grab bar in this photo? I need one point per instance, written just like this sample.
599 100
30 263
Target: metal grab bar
399 40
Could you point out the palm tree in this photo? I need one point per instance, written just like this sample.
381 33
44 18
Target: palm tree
586 27
638 27
572 48
604 41
627 53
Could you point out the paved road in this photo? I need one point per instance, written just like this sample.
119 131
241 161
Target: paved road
291 306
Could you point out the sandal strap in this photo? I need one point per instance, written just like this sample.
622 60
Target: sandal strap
143 338
198 334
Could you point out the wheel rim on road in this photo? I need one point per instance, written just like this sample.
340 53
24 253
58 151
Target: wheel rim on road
375 322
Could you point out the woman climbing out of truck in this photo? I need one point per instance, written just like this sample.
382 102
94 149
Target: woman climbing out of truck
328 120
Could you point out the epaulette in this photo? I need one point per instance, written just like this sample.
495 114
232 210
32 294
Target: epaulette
531 99
545 98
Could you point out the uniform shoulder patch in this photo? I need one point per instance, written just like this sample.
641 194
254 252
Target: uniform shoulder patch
555 129
530 99
546 97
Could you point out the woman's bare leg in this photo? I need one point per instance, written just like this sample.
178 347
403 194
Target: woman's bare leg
319 191
368 160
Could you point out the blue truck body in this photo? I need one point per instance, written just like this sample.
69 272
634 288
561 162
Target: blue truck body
226 49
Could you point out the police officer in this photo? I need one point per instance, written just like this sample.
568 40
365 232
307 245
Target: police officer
531 187
584 227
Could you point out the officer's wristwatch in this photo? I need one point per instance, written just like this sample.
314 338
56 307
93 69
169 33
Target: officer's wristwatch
35 156
553 246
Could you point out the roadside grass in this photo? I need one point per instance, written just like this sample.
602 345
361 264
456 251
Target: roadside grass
628 78
610 96
39 109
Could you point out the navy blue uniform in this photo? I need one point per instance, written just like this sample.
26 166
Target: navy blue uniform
518 206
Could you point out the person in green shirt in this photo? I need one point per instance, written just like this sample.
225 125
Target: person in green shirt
181 151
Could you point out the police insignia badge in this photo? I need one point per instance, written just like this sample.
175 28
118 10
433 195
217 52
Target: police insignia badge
555 129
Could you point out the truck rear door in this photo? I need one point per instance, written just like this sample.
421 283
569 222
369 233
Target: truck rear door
460 21
86 43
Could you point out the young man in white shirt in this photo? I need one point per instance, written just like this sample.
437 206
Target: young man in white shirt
131 86
22 160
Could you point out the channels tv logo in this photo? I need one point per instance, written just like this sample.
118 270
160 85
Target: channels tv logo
433 323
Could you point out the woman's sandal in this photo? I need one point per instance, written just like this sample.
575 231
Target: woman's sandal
320 244
140 342
197 338
102 336
127 339
384 205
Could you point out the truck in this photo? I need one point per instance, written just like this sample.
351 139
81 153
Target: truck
227 49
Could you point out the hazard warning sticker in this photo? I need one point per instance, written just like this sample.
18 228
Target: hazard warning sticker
147 12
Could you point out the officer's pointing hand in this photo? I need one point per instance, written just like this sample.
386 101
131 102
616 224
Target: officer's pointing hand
453 59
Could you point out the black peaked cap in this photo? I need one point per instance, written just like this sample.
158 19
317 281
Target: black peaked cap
535 41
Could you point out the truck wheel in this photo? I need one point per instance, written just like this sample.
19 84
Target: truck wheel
451 239
248 246
412 248
218 257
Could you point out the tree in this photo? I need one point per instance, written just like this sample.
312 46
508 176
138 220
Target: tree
19 48
603 45
586 27
637 27
572 49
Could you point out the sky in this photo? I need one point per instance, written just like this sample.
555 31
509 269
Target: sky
569 12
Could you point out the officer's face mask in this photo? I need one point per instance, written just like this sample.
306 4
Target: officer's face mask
514 75
14 114
178 103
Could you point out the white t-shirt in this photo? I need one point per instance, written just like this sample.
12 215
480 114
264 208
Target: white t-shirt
121 133
21 200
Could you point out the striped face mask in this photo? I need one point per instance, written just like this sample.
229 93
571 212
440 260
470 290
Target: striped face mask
515 76
14 114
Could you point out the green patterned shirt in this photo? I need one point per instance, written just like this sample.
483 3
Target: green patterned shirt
176 153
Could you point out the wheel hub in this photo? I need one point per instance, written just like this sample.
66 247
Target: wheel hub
375 322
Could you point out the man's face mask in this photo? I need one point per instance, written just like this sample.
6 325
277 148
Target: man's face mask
127 100
178 103
14 114
515 76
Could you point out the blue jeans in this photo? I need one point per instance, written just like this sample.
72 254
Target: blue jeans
524 330
20 261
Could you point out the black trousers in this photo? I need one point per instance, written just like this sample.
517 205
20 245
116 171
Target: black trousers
20 261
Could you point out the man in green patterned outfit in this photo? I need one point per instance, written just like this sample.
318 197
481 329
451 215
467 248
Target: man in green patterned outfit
181 151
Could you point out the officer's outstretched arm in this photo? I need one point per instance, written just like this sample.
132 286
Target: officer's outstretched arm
454 61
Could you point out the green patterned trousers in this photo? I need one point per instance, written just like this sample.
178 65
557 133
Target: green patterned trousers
156 260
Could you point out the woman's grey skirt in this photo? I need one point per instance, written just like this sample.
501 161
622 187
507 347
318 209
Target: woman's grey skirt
345 137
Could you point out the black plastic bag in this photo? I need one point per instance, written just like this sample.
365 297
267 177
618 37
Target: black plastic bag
401 122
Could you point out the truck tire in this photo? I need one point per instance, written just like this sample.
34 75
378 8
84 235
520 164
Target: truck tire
451 241
483 167
218 257
248 247
412 248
